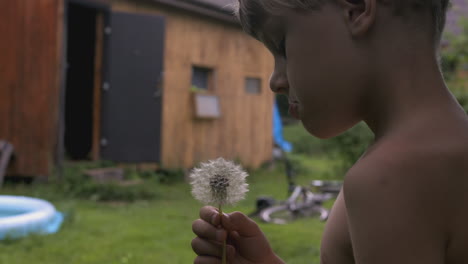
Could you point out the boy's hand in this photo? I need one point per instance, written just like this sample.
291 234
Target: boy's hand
246 243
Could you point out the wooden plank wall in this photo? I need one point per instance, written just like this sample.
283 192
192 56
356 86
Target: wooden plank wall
29 81
244 132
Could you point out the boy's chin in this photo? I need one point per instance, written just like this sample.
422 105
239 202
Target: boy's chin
324 132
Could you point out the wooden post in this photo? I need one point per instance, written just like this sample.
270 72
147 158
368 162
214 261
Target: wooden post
6 150
95 152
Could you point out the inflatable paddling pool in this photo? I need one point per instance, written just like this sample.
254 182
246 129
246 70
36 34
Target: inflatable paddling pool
21 216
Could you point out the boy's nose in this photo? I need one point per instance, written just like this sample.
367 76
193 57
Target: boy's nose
279 82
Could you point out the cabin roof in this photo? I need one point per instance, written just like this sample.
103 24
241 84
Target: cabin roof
223 5
218 9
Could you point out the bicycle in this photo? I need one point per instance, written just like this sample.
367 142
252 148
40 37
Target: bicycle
303 201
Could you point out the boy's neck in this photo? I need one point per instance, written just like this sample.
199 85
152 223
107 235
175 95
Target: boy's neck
407 92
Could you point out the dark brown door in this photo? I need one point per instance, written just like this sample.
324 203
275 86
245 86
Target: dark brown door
131 100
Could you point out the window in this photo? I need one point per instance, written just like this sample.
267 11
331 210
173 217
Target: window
202 78
253 85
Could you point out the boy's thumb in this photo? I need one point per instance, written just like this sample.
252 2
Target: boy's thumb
239 222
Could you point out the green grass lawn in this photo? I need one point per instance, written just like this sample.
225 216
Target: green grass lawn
156 231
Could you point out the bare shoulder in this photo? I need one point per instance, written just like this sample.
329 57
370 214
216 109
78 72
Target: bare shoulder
418 163
398 177
409 192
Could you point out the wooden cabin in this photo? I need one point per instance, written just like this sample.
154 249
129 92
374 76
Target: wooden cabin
168 82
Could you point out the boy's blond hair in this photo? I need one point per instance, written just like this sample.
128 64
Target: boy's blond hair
252 12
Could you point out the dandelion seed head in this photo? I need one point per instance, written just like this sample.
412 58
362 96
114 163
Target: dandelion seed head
219 185
219 182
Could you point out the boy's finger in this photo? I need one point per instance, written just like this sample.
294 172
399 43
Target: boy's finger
230 252
239 222
210 214
207 260
205 230
204 259
205 248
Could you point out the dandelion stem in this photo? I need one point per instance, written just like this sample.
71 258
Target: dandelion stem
223 260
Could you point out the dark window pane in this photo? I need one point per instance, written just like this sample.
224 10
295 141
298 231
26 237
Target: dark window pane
200 77
253 85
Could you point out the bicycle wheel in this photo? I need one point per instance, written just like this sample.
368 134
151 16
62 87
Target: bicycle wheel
279 214
333 187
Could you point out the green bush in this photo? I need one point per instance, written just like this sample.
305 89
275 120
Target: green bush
349 147
302 141
462 99
87 189
455 60
346 148
169 176
455 55
75 184
113 191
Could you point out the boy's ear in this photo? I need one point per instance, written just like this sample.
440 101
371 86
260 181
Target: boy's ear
360 15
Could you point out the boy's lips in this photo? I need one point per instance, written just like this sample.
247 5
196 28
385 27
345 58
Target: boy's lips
294 110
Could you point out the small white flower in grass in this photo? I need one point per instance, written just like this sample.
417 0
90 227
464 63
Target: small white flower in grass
219 182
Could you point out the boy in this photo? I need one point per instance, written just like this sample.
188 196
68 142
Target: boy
343 61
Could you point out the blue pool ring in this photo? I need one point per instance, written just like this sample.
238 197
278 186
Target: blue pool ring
21 216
